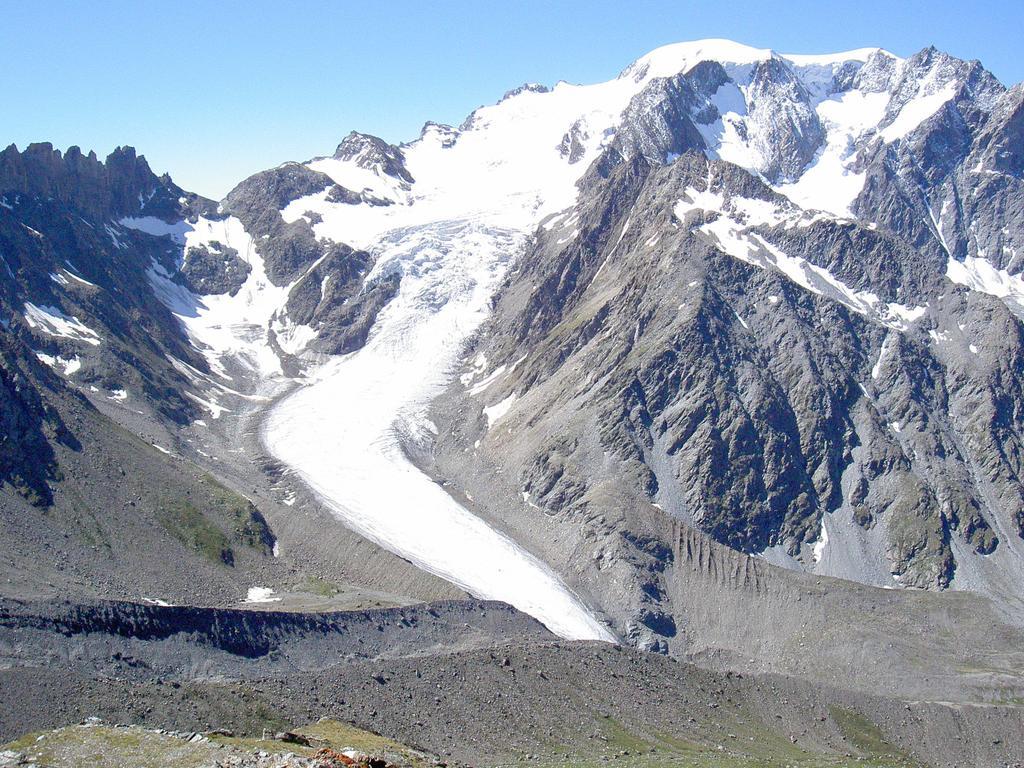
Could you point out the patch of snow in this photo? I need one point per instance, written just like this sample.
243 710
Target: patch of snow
830 183
118 394
553 220
877 368
479 366
981 275
114 236
496 411
64 365
78 279
226 326
528 502
482 385
53 322
917 111
731 231
625 229
568 238
821 543
261 595
211 405
151 225
161 448
292 337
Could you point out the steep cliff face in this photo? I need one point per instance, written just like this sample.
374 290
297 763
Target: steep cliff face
86 507
122 185
75 286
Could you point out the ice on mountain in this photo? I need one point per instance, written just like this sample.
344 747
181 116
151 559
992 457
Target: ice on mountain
495 412
732 232
53 322
979 274
151 225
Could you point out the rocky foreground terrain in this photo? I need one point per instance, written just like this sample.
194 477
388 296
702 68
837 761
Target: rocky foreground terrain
466 683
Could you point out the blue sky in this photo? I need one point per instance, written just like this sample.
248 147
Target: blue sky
213 91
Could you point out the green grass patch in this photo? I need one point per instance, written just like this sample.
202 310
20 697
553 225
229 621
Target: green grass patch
104 746
866 737
213 521
338 735
731 741
314 585
188 525
248 526
108 747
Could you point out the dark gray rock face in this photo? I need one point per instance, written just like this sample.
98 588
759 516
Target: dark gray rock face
181 642
258 200
288 249
27 459
334 298
124 185
657 124
340 194
525 88
64 251
788 132
937 186
214 269
740 403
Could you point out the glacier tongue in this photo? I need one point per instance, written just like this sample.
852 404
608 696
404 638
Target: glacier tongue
474 203
466 202
344 432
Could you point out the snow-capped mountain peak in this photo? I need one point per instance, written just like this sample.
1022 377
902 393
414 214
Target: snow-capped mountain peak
680 58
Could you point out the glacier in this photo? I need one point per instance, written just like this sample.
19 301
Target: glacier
478 195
